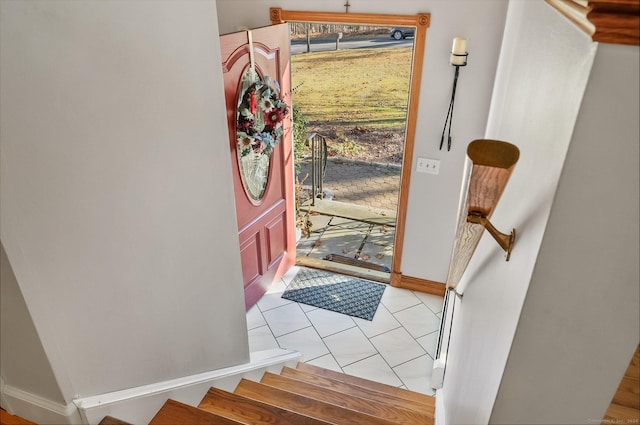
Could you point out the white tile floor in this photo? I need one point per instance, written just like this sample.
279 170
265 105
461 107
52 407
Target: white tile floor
397 347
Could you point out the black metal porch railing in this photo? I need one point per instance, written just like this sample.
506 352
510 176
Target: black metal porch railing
318 144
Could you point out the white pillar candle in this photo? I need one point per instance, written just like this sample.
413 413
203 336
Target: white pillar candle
459 48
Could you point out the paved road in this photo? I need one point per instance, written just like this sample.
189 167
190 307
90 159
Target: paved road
300 46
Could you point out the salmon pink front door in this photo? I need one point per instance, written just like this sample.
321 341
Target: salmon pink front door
257 92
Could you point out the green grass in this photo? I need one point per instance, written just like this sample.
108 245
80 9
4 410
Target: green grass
368 87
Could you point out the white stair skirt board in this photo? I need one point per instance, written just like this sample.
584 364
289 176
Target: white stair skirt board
437 374
440 362
440 418
139 405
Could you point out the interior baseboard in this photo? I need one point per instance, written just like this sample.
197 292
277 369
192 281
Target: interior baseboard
420 285
38 409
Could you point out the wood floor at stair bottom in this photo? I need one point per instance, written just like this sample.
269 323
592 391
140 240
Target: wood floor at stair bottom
174 413
374 408
305 405
240 408
625 406
396 399
7 418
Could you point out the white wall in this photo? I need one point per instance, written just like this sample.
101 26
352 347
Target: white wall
117 211
24 362
543 71
580 323
433 200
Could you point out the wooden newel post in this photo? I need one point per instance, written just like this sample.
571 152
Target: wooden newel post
488 167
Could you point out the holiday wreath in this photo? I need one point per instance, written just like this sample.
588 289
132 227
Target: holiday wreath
261 112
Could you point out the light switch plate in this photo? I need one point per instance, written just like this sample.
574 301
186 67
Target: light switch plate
428 165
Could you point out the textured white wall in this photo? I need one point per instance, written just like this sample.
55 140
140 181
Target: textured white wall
543 71
580 323
117 200
433 200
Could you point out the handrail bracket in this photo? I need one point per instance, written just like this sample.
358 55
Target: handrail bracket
505 241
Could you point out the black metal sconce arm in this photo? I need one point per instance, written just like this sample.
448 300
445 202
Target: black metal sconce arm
449 120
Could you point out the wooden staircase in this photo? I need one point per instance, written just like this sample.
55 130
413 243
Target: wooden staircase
304 395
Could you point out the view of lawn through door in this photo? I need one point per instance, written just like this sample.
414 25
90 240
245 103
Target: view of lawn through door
353 88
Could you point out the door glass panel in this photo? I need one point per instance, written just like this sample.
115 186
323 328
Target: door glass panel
258 129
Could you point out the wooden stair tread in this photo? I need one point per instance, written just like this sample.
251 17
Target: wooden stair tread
361 382
382 410
240 408
426 408
305 405
174 412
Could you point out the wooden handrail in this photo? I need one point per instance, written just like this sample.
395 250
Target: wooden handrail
488 166
605 21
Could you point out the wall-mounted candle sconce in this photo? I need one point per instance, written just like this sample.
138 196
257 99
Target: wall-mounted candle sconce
458 58
488 167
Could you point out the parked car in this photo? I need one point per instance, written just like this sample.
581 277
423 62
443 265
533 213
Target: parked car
400 33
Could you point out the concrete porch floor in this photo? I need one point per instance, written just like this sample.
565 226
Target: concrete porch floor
359 239
359 222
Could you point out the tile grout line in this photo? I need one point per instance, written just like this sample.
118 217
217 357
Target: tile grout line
377 352
409 333
289 333
322 338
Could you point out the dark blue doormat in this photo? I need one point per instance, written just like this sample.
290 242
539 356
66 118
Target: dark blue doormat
335 292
